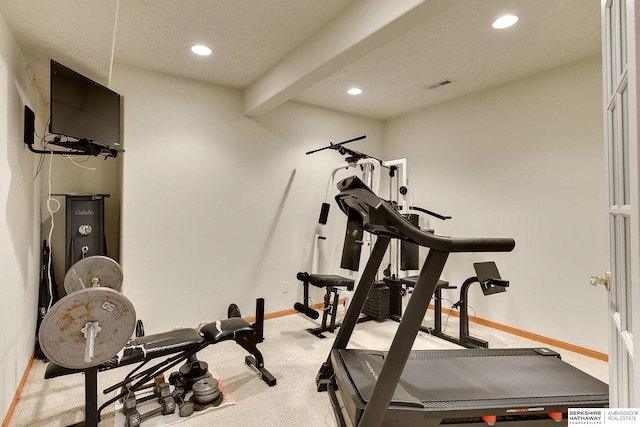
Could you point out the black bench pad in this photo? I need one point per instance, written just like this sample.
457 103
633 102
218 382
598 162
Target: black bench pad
165 343
226 329
140 349
330 280
156 345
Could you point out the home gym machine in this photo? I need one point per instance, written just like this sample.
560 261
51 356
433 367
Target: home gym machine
456 388
352 254
85 331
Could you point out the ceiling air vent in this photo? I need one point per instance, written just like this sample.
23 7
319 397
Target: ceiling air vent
441 83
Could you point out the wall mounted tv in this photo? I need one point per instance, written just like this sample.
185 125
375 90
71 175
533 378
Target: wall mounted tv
85 115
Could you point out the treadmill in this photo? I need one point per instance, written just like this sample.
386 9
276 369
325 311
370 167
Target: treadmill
454 388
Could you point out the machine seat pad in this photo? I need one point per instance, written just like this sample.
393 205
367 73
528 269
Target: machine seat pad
330 280
412 280
226 329
156 345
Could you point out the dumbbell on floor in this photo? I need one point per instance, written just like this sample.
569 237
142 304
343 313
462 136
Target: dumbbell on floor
160 391
134 418
167 406
185 407
155 385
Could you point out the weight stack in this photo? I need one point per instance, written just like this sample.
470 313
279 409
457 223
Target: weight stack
395 296
377 304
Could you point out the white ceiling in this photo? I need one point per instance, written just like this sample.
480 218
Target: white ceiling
311 51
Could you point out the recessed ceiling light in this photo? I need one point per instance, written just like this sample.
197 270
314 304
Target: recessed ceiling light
505 21
201 50
354 91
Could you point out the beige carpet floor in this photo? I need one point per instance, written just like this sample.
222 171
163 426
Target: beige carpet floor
291 354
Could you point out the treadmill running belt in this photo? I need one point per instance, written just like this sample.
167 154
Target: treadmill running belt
473 378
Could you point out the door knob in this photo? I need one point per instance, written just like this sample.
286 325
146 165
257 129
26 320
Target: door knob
602 280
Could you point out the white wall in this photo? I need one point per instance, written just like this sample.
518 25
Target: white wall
524 160
218 208
19 221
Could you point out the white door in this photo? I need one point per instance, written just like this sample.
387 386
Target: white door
620 80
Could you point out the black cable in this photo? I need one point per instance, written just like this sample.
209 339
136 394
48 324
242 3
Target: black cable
453 307
44 146
474 312
428 212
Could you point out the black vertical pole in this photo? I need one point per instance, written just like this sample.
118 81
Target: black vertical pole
437 315
464 309
259 324
91 396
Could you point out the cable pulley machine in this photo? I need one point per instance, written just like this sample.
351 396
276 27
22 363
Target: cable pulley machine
355 241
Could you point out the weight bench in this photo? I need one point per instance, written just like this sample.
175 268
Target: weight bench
176 346
332 283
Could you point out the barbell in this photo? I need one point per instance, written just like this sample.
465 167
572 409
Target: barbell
94 321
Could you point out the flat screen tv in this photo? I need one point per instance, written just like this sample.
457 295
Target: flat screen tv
83 111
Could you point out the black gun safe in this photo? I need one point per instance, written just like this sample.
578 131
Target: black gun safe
84 227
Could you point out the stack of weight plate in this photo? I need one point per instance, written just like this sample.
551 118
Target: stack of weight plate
377 304
206 393
395 296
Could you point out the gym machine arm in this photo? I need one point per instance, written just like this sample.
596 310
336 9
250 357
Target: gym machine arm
489 286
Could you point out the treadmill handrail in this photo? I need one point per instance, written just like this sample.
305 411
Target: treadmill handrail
378 217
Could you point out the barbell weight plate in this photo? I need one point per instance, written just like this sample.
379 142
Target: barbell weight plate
205 386
202 406
60 333
205 390
81 274
233 311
